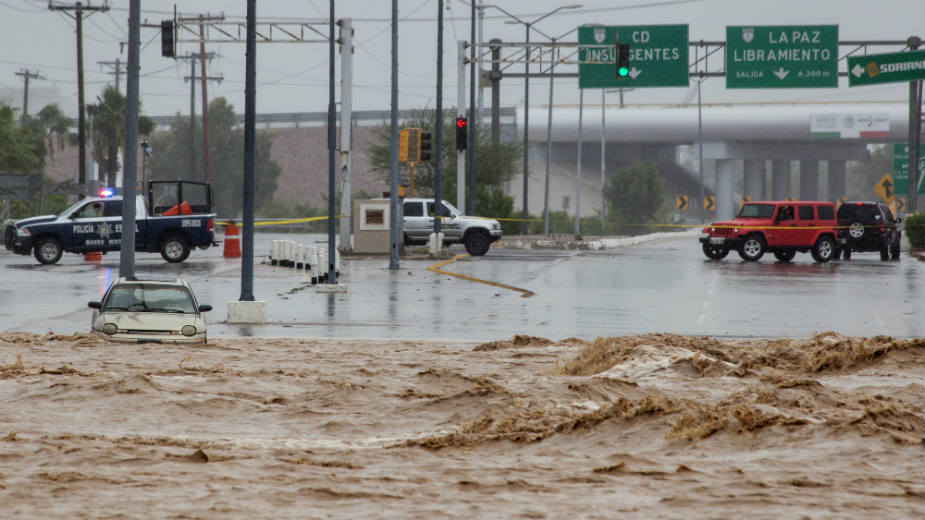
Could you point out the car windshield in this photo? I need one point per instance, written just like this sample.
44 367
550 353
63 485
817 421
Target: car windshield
757 211
149 298
448 209
73 206
858 211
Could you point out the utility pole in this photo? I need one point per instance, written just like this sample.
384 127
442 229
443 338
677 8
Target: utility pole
346 129
26 76
116 68
192 57
915 134
79 9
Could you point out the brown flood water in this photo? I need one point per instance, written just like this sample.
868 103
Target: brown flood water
639 427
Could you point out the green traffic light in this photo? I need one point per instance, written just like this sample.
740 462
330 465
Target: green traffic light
623 72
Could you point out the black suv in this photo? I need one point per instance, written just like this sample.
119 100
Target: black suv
868 226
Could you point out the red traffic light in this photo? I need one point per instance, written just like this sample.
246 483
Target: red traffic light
461 127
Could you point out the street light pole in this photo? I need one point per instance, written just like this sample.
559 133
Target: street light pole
527 54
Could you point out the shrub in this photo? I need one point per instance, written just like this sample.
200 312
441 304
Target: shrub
915 230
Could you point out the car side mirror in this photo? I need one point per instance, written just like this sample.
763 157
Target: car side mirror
205 308
95 305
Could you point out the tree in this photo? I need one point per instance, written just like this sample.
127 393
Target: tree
635 194
21 150
495 165
109 131
170 159
863 176
55 128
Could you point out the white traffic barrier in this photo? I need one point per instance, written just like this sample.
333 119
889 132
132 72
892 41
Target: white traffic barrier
300 256
314 260
322 266
274 252
337 261
291 257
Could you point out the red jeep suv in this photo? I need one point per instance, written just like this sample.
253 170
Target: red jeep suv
781 227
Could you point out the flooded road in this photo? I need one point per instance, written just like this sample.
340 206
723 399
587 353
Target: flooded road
646 426
666 285
635 382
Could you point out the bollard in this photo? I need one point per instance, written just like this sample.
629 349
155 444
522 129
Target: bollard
337 261
232 241
323 266
299 256
274 252
315 271
284 258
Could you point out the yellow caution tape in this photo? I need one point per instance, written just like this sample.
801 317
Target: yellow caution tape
436 269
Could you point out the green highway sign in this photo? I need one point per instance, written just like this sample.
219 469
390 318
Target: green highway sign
658 56
901 169
874 69
782 56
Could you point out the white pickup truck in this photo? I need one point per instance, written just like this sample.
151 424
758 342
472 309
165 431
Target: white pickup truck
475 233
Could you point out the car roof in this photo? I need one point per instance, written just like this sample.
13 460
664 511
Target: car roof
166 280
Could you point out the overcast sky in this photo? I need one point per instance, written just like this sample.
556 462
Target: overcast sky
294 77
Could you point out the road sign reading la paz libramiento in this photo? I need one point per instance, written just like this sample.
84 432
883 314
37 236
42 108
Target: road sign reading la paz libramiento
874 69
781 56
657 56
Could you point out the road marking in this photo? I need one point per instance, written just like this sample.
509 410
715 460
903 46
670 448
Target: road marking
705 305
436 269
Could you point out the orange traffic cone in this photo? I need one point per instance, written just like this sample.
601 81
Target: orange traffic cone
172 211
232 243
93 256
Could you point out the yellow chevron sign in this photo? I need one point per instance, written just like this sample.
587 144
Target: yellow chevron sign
709 203
680 202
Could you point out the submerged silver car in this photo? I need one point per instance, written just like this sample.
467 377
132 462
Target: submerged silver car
149 309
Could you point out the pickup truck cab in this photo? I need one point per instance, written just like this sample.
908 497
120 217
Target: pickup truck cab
475 233
95 224
781 227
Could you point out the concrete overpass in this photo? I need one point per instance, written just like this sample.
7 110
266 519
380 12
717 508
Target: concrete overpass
735 136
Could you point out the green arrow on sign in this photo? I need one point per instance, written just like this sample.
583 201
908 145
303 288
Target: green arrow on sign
781 56
658 56
875 69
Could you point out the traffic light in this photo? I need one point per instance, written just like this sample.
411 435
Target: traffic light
623 60
168 50
403 142
462 128
424 145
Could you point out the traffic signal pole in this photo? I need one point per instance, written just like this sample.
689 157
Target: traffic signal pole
461 113
346 129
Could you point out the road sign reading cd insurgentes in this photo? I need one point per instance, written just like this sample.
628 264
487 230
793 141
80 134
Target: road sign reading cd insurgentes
657 56
779 56
875 69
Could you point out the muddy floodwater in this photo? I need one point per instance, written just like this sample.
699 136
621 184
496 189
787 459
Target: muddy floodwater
639 427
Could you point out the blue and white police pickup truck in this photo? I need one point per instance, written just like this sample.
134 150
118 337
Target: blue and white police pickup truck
180 218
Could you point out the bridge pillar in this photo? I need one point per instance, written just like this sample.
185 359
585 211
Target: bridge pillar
780 179
725 205
837 181
754 179
809 179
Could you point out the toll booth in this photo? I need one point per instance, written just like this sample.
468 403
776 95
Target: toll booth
371 226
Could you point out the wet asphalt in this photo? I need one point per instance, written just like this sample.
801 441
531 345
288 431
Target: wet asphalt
660 285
